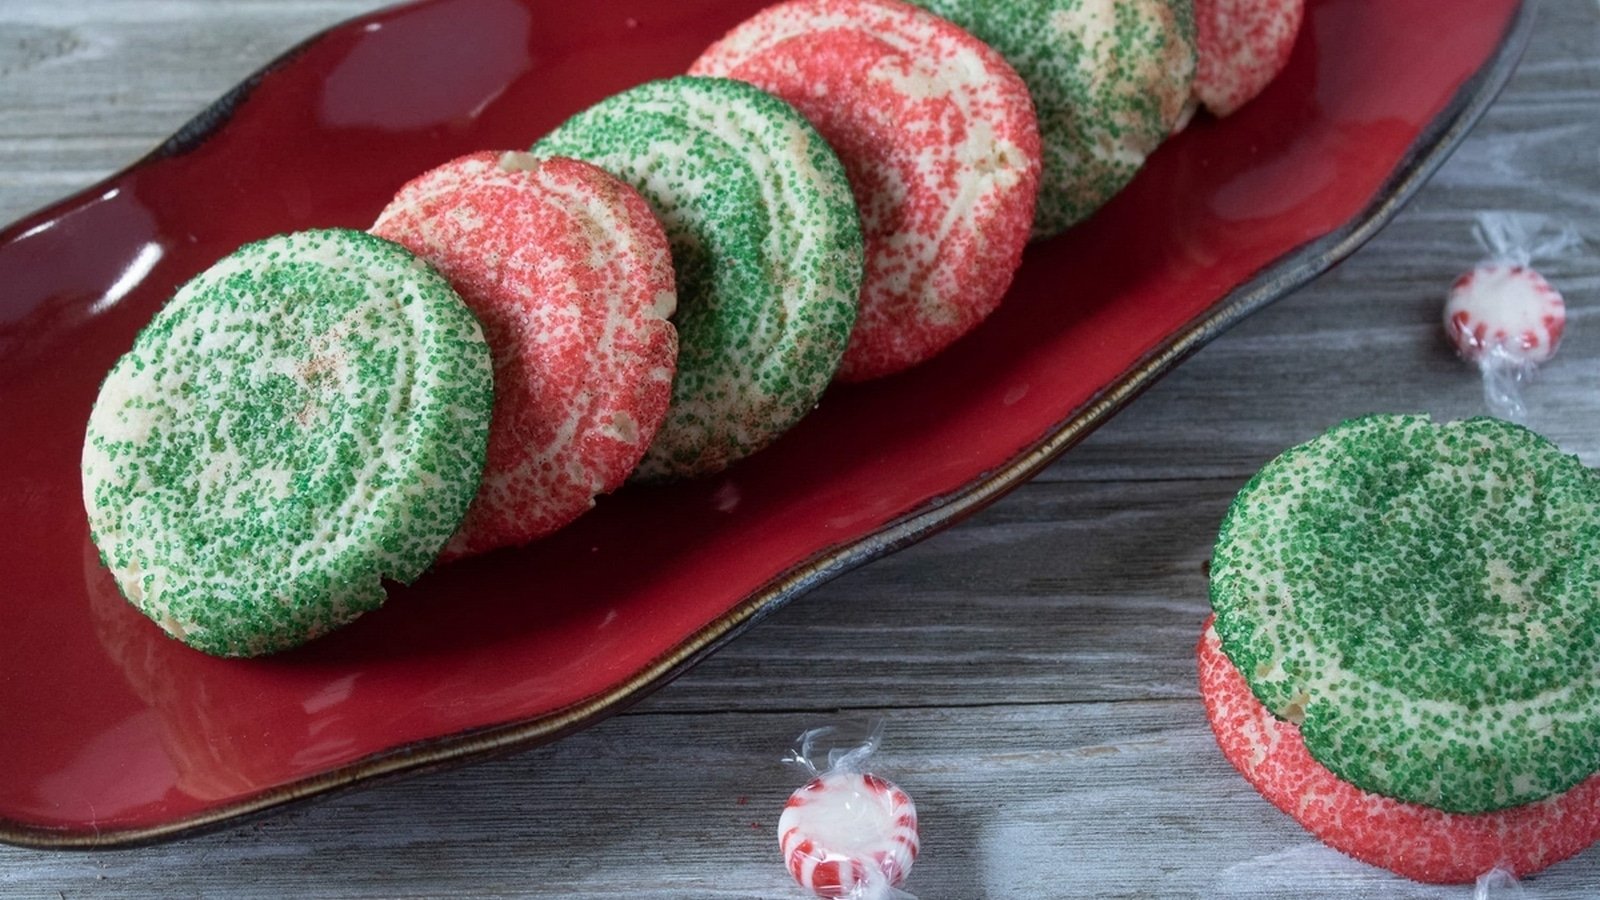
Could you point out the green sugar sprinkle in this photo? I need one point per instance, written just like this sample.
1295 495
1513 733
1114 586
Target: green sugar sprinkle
766 246
1425 601
1110 80
304 419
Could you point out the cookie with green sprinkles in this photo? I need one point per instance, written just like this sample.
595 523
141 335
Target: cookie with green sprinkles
767 248
1110 79
1423 602
302 420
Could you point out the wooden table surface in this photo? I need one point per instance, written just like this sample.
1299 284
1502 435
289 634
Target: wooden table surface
1034 664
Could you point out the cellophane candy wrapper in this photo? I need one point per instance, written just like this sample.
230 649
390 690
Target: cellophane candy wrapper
1504 316
847 833
1498 884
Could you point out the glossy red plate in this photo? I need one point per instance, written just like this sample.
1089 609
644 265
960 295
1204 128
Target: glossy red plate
114 734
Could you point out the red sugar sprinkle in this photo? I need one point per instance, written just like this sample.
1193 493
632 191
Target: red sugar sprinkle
571 277
938 136
1416 841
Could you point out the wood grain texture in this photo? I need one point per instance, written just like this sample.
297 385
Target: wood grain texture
1035 664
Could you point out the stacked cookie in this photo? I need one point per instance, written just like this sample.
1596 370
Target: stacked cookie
662 286
1403 655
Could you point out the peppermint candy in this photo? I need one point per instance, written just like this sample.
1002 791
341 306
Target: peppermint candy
849 834
1501 308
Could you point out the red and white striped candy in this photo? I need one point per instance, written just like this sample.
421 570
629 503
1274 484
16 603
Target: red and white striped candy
1506 308
849 835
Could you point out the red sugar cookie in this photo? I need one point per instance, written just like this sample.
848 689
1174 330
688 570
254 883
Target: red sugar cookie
939 139
570 275
1416 841
1242 46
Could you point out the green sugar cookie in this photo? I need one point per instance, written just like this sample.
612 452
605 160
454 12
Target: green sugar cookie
1110 80
1424 602
767 249
302 420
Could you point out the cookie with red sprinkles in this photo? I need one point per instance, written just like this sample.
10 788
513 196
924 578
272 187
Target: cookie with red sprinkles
939 138
1110 79
1421 600
1242 46
1409 839
571 277
767 248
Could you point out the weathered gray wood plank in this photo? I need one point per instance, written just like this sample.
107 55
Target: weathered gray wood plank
1089 800
88 86
1058 594
1034 663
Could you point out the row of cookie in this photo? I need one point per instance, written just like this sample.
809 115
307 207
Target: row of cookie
273 447
943 156
953 156
311 415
